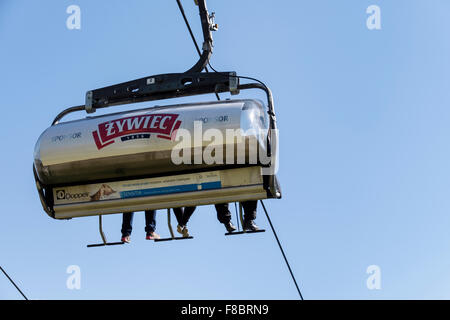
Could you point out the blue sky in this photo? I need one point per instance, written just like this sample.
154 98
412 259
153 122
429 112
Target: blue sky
364 158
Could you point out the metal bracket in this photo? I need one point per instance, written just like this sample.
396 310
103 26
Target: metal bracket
88 104
213 26
234 83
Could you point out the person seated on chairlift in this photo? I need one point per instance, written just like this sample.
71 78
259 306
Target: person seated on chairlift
150 226
224 216
183 215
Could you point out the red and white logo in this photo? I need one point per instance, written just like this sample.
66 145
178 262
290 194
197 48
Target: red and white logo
162 124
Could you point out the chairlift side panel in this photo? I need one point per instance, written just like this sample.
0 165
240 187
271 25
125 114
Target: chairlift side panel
137 142
158 193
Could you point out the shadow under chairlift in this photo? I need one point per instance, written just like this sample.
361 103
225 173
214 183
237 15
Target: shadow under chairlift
167 86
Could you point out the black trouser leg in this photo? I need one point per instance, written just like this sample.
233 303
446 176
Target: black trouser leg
127 223
223 214
179 215
183 214
249 210
188 211
150 221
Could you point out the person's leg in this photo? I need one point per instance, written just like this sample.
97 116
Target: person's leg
223 214
127 222
250 215
183 215
188 211
179 215
150 225
249 210
150 221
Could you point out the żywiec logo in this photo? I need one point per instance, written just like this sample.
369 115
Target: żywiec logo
163 124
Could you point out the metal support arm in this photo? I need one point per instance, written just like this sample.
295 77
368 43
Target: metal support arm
207 39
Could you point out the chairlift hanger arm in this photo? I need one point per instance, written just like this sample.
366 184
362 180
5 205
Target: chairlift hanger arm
207 27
